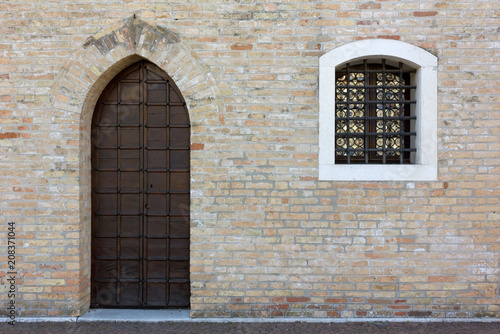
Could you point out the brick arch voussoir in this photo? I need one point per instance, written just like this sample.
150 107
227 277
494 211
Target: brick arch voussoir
106 53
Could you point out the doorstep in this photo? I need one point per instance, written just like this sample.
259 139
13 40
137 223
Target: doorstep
135 315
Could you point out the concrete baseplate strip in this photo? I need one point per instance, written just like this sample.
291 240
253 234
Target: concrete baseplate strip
115 315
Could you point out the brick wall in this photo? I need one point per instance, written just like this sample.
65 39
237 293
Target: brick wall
268 238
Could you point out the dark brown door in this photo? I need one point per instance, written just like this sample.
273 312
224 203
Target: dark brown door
140 192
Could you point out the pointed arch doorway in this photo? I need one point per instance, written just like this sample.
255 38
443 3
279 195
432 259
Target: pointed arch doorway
140 192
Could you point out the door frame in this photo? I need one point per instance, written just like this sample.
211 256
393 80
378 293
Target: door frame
97 112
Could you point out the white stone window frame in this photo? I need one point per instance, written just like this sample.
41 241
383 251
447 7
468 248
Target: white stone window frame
424 161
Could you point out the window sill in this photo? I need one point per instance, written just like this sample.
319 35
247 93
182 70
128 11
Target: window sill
331 172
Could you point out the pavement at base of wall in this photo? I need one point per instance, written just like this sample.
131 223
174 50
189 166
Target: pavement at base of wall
251 328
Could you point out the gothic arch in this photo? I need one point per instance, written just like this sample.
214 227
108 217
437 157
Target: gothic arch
83 77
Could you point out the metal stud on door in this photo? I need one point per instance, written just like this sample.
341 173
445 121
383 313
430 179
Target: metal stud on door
140 197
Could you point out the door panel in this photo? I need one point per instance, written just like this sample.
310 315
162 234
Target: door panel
140 192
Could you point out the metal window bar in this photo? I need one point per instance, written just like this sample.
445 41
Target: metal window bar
351 151
377 102
401 112
384 123
118 197
367 111
377 149
348 122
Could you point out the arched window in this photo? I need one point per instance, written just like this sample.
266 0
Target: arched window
378 112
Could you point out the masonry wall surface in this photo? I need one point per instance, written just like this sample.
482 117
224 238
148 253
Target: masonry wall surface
267 238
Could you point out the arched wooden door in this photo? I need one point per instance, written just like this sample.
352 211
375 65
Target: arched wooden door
140 192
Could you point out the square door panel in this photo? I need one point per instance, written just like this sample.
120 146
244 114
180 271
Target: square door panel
107 225
108 181
179 248
130 137
130 114
173 96
157 182
157 93
106 293
156 225
130 92
179 293
156 293
131 159
179 269
179 203
130 293
130 181
179 159
130 248
113 95
178 116
157 138
158 203
156 269
179 138
130 204
108 203
130 225
157 247
130 269
107 247
157 159
179 181
107 269
108 137
109 116
157 115
107 159
179 226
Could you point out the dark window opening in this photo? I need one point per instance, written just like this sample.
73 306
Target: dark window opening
373 118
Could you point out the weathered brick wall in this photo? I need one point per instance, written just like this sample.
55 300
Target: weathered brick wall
268 238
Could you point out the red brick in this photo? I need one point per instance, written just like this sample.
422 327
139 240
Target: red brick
197 146
395 37
449 279
423 14
241 47
369 5
336 300
298 299
9 135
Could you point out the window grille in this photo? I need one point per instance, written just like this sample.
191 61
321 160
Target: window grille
373 119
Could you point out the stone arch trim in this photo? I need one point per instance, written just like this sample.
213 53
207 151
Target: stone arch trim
79 85
424 167
375 48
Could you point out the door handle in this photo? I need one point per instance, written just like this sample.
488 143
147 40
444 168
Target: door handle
147 206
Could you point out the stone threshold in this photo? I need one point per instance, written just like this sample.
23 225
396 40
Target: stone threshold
172 315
